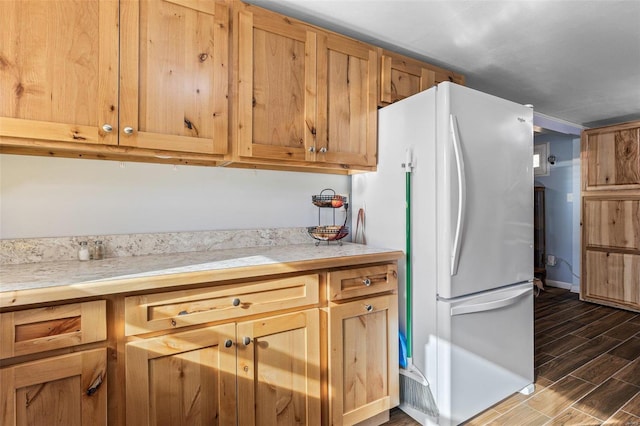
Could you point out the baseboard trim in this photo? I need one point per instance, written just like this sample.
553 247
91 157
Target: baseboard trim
562 284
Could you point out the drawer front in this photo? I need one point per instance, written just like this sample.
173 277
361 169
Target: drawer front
612 223
43 329
362 281
171 310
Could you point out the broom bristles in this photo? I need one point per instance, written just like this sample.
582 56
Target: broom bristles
415 391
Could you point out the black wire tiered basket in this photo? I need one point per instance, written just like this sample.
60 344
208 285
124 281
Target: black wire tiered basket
329 232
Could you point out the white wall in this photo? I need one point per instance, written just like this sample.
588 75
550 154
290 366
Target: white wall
54 197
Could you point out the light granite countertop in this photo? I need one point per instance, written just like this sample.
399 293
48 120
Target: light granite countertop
50 281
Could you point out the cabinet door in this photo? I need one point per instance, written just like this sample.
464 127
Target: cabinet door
347 93
401 77
59 71
68 390
363 358
279 370
613 278
174 75
182 379
612 158
612 223
276 87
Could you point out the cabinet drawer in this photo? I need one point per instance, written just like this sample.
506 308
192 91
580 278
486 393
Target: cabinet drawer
43 329
612 223
362 281
171 310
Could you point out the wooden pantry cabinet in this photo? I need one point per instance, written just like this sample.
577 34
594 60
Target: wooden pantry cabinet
304 94
402 76
69 389
611 215
131 74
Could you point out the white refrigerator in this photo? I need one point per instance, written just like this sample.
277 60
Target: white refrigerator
472 240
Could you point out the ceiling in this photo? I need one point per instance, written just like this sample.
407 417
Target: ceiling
575 60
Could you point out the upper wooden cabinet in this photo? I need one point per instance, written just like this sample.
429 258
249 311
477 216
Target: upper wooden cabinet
401 77
174 75
277 87
347 111
59 71
145 74
304 94
611 157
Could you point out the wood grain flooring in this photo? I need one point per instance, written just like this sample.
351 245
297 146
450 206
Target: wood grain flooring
587 364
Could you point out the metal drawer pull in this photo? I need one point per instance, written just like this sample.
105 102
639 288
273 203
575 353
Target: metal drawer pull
246 340
228 343
366 282
94 386
369 308
107 128
128 130
235 302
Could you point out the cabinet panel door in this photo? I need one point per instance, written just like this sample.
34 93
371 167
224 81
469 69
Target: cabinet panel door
613 159
182 379
276 87
174 75
363 360
347 101
613 277
279 370
68 390
612 223
59 71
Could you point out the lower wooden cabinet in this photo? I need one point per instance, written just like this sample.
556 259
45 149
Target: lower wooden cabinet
279 370
190 377
185 378
363 358
68 390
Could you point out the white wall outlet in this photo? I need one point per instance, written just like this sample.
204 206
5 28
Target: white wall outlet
551 260
569 197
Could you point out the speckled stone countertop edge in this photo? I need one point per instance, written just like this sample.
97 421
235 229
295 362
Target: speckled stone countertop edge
48 281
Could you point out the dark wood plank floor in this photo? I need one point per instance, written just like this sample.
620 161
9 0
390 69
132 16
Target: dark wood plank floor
587 363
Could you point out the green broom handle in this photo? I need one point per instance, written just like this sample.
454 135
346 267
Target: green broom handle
409 304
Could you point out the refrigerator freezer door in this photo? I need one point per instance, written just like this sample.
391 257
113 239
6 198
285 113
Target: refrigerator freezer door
485 191
483 352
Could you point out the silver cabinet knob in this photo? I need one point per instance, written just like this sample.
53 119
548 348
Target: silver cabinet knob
107 128
312 149
228 343
323 150
366 282
128 130
369 308
235 302
246 340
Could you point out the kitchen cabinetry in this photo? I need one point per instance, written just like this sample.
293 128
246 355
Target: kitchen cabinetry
611 216
59 79
363 352
402 76
304 94
70 388
162 88
190 376
311 341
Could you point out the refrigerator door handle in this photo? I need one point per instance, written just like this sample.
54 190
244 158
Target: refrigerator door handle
489 306
462 195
